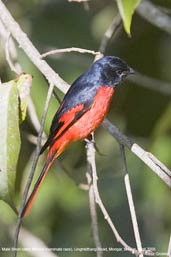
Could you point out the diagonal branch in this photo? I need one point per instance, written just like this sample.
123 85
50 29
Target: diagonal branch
13 27
33 116
109 33
35 160
9 52
154 15
92 164
149 159
131 202
151 83
93 212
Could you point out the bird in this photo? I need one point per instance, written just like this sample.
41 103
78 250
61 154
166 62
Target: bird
81 111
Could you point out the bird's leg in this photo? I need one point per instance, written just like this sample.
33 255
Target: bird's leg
90 139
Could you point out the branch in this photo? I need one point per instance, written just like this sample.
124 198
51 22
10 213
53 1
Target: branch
148 158
154 15
92 201
131 202
151 83
33 115
109 33
35 160
91 150
13 27
93 212
10 52
92 164
69 50
92 174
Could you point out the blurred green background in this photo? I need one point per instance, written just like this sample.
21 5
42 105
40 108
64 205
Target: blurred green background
60 215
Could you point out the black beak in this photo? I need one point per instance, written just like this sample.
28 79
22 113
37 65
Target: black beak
131 71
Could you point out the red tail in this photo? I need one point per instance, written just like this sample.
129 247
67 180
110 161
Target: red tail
54 151
36 188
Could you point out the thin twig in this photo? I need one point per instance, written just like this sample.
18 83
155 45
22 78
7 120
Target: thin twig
131 202
154 15
31 138
109 33
8 58
39 138
151 83
94 220
93 212
91 154
35 160
33 115
10 50
148 158
13 27
69 50
57 97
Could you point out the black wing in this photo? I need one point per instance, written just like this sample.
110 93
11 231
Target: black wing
82 92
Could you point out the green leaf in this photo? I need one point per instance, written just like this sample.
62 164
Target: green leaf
9 139
13 104
24 82
126 9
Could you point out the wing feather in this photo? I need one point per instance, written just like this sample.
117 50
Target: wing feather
76 102
62 124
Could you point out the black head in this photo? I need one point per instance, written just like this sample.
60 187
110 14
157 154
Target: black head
112 70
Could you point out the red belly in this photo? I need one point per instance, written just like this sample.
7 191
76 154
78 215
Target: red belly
93 117
87 123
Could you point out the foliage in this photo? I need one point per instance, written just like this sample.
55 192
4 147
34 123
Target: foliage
126 9
13 107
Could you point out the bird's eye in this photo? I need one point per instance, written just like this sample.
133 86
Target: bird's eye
119 72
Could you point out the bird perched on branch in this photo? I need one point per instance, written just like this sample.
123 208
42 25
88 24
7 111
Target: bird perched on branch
82 110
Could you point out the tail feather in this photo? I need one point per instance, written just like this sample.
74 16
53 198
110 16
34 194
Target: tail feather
36 188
